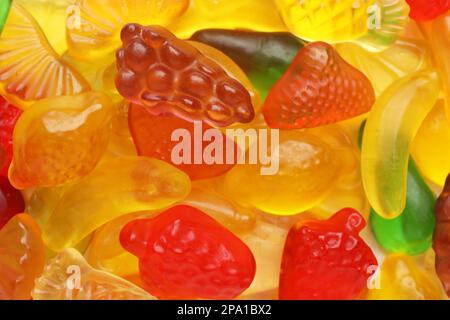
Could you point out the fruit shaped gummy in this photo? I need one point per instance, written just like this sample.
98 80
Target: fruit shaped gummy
60 139
51 15
184 253
375 22
391 126
402 278
30 69
441 237
42 202
437 32
154 137
168 75
406 55
21 257
11 201
423 10
318 88
93 29
116 187
9 115
303 170
4 11
226 14
263 56
326 259
432 159
69 277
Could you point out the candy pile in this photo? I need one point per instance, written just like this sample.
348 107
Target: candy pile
327 125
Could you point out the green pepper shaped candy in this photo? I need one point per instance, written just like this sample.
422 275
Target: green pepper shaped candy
5 5
263 56
412 231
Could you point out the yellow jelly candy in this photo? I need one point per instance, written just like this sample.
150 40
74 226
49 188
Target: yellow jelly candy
401 278
30 69
375 22
60 139
303 174
225 14
21 257
391 126
428 148
96 24
69 277
116 187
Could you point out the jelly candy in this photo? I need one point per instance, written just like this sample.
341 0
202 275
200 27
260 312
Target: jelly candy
9 115
60 139
186 254
441 242
308 169
376 22
150 64
69 277
225 14
116 187
11 201
21 257
432 159
42 202
30 69
263 56
401 278
391 125
306 95
153 135
422 10
326 259
437 33
94 27
4 10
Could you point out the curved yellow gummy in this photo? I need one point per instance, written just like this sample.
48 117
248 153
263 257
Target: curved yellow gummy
401 278
432 158
116 187
254 15
60 139
391 126
69 277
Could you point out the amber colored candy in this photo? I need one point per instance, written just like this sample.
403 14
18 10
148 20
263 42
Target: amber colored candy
21 257
30 69
441 237
318 88
60 139
169 75
69 277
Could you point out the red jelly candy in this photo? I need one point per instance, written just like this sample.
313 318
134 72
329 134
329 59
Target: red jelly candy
152 136
318 88
167 74
185 254
11 201
9 115
326 259
422 10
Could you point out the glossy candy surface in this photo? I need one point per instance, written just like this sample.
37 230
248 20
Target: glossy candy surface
9 115
306 96
326 259
423 10
69 277
11 201
183 253
4 10
166 74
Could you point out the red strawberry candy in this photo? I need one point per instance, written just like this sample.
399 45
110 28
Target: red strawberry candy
167 74
185 254
422 10
11 201
152 136
318 88
326 259
9 115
